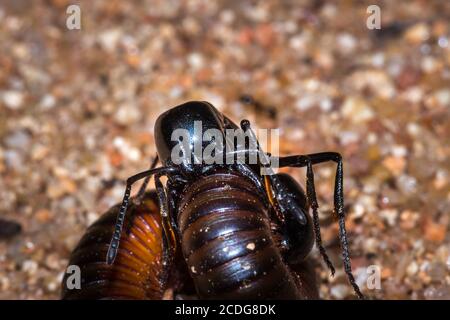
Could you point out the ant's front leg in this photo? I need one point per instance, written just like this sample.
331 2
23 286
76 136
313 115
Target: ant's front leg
275 190
115 241
168 234
308 161
141 193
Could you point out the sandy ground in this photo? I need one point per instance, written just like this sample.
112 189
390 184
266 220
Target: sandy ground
78 107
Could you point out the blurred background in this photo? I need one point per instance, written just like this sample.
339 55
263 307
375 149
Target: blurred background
78 107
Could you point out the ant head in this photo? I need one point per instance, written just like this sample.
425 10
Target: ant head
179 134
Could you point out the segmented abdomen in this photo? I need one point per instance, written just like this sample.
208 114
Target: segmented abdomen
228 244
136 272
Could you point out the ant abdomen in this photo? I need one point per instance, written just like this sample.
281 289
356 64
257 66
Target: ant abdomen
228 243
137 271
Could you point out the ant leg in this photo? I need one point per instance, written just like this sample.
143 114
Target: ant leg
115 241
281 200
141 193
169 239
312 199
172 195
308 161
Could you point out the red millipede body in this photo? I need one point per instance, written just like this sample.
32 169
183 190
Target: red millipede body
137 272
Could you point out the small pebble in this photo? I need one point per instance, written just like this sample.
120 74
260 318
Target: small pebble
340 291
9 228
12 99
417 33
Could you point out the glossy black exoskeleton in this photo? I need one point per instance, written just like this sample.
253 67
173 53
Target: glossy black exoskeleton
240 232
